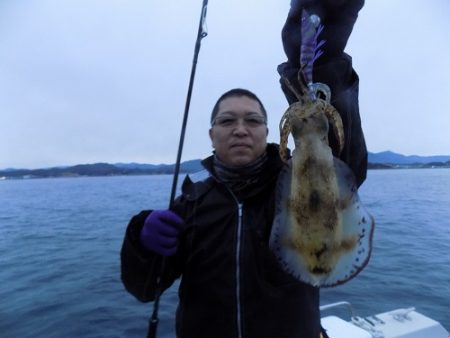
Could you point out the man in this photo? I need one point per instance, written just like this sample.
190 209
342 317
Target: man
232 285
216 236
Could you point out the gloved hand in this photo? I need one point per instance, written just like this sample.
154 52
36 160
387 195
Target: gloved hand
160 232
333 67
338 18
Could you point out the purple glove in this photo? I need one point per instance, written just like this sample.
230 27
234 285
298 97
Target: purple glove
160 232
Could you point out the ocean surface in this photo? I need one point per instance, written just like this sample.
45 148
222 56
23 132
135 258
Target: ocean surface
60 241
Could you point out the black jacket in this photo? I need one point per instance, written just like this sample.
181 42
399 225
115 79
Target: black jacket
231 282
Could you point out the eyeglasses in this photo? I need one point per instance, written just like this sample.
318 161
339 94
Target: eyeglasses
250 121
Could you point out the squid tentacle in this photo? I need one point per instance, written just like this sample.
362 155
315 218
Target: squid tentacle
336 121
292 88
285 129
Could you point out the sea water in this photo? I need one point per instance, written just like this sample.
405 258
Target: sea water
60 243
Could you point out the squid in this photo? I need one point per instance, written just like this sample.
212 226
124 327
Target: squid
321 233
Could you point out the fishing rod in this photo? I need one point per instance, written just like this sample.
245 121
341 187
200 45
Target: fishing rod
153 322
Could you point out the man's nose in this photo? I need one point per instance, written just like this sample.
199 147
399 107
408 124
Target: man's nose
240 128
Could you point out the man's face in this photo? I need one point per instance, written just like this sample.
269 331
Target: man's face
239 131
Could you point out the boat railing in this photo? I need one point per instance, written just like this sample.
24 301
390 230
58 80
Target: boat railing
339 304
362 323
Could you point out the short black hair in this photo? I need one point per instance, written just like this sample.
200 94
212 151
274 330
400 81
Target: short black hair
236 92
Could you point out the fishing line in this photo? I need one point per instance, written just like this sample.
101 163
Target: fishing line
202 32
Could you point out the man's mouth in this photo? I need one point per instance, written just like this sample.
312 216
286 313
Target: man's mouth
240 145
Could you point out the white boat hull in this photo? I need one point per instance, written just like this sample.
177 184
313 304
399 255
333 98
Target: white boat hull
400 323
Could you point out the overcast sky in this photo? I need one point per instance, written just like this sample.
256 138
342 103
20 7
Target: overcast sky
84 81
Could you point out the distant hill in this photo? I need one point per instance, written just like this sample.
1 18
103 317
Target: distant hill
382 160
389 157
102 169
134 165
187 166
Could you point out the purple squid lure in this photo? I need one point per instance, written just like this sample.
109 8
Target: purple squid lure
310 49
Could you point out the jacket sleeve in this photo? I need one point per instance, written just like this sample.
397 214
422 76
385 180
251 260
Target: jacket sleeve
344 84
141 268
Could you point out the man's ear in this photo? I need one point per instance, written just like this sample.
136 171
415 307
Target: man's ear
267 131
211 137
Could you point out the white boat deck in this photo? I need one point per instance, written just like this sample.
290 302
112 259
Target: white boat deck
400 323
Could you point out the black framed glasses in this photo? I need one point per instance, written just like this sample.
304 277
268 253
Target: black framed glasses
249 121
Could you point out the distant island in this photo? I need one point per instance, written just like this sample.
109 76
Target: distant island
101 169
382 160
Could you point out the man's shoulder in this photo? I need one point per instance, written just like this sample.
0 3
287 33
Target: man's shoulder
199 176
197 184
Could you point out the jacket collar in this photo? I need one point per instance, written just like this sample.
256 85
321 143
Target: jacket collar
269 173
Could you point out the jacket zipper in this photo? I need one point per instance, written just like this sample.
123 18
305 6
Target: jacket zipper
238 265
238 271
